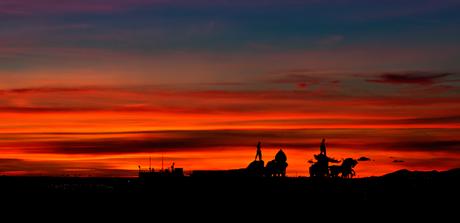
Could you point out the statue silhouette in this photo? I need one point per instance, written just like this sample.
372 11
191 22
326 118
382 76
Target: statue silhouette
256 167
280 156
258 152
321 167
322 147
277 167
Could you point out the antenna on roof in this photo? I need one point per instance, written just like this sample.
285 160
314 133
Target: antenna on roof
150 163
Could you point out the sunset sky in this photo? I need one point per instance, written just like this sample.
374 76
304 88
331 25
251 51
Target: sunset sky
95 87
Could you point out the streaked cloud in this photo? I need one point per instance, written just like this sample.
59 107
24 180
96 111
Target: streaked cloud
422 78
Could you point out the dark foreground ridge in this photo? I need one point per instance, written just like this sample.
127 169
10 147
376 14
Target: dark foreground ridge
259 186
401 186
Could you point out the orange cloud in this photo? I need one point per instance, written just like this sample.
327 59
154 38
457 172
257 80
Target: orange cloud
109 130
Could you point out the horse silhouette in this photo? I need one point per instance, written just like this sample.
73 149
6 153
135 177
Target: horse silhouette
345 170
335 170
